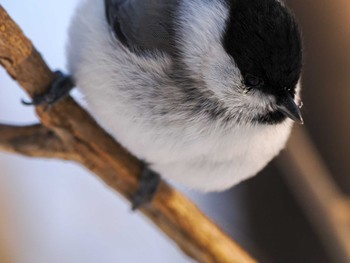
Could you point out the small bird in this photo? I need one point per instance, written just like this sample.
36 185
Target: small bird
205 92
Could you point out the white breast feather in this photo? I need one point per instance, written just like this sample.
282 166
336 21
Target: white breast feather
200 155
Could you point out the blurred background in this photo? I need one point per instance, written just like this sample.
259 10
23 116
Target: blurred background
54 211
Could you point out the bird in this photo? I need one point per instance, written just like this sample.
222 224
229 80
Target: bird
204 92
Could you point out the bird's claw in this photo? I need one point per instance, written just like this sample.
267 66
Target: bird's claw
147 188
59 89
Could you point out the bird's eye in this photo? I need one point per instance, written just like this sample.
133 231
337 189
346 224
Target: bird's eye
252 81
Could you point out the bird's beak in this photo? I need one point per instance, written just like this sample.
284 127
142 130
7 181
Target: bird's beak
290 109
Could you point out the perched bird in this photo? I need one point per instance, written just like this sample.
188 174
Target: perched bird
205 92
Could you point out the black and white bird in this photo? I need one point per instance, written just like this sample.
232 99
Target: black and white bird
205 92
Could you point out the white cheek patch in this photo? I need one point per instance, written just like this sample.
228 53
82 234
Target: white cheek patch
259 100
220 73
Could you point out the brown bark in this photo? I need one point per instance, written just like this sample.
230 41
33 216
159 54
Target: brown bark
76 136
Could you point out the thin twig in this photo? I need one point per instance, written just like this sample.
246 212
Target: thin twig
34 140
180 219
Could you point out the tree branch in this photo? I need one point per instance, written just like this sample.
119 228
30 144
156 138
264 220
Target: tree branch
34 141
180 219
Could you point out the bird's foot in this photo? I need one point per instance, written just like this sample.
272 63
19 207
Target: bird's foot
147 188
59 89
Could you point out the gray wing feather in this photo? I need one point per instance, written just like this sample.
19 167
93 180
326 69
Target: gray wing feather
142 24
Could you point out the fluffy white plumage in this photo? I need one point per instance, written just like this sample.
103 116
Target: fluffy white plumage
133 98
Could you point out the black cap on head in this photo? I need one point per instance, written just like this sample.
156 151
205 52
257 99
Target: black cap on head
264 40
